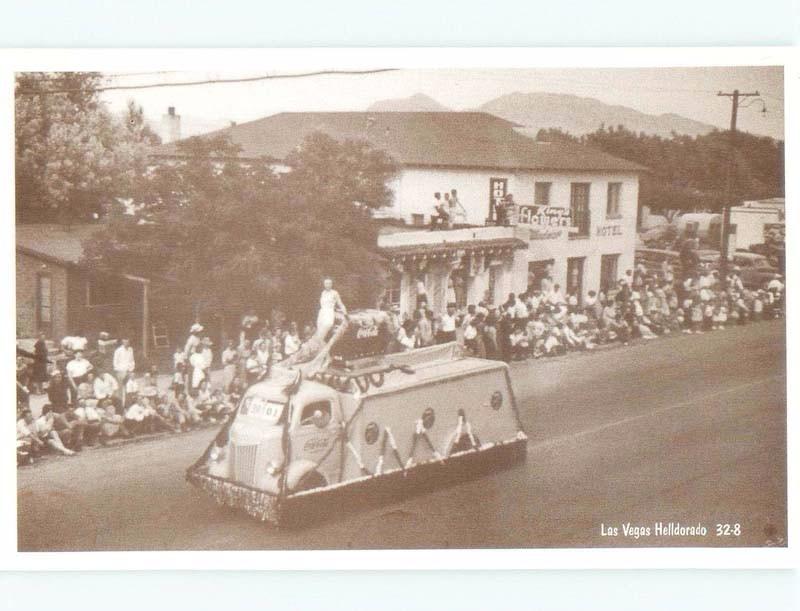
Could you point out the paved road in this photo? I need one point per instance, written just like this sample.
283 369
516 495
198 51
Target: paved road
687 429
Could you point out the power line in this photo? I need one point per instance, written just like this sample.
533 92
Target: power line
250 79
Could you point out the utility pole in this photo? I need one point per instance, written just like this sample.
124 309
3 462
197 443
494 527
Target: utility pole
726 210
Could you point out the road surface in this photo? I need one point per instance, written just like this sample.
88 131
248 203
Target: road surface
684 429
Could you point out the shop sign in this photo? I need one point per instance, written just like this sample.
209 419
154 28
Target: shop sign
545 216
605 231
544 233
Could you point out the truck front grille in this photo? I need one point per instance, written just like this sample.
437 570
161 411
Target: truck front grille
244 463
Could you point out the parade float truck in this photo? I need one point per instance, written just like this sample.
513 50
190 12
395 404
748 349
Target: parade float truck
342 424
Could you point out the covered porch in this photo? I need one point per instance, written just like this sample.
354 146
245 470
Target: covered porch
461 266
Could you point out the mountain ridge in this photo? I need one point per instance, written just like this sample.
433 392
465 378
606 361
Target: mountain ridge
574 114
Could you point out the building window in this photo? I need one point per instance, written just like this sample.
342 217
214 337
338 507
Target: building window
538 272
579 207
612 203
44 303
541 194
608 272
575 277
392 295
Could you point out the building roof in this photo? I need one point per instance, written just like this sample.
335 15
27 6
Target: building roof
54 242
440 139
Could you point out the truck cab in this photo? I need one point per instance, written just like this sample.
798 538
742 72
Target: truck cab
255 451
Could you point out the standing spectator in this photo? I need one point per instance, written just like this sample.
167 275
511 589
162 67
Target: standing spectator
457 211
105 350
178 357
39 373
208 355
193 340
230 357
197 363
447 329
424 328
249 331
59 392
406 335
124 361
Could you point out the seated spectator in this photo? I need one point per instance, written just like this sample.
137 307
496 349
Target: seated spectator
29 444
105 386
178 383
89 416
518 341
148 387
136 418
154 421
44 427
78 369
131 391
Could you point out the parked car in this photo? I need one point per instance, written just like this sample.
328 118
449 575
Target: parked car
709 259
754 269
654 258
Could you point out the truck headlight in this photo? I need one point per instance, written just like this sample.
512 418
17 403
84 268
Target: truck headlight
273 468
217 454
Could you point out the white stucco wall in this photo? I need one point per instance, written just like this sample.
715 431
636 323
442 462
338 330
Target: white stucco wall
750 224
414 190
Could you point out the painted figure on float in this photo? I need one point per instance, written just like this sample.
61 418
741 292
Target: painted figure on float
329 304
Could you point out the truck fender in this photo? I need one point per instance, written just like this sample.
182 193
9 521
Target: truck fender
298 469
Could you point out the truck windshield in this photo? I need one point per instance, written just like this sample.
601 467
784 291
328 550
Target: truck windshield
257 406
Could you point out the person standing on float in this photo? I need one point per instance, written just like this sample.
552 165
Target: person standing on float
329 303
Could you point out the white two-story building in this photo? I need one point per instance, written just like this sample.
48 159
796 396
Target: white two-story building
574 218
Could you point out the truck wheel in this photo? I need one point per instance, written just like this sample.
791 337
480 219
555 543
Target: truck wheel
464 443
309 481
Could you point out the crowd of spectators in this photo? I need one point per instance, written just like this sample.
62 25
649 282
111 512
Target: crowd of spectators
89 397
93 396
546 321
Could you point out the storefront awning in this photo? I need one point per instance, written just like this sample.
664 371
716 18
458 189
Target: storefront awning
454 250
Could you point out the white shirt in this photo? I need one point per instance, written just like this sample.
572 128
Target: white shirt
22 428
78 367
520 309
448 323
104 386
208 358
291 344
123 359
404 339
88 413
229 356
74 343
135 412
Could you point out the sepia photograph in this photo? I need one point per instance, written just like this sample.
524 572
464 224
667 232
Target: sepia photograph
400 308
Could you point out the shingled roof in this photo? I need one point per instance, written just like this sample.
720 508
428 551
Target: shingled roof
433 139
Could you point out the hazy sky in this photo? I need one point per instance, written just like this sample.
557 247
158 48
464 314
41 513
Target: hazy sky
690 92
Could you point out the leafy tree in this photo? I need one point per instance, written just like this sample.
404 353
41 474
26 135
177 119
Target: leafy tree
72 156
690 173
229 235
